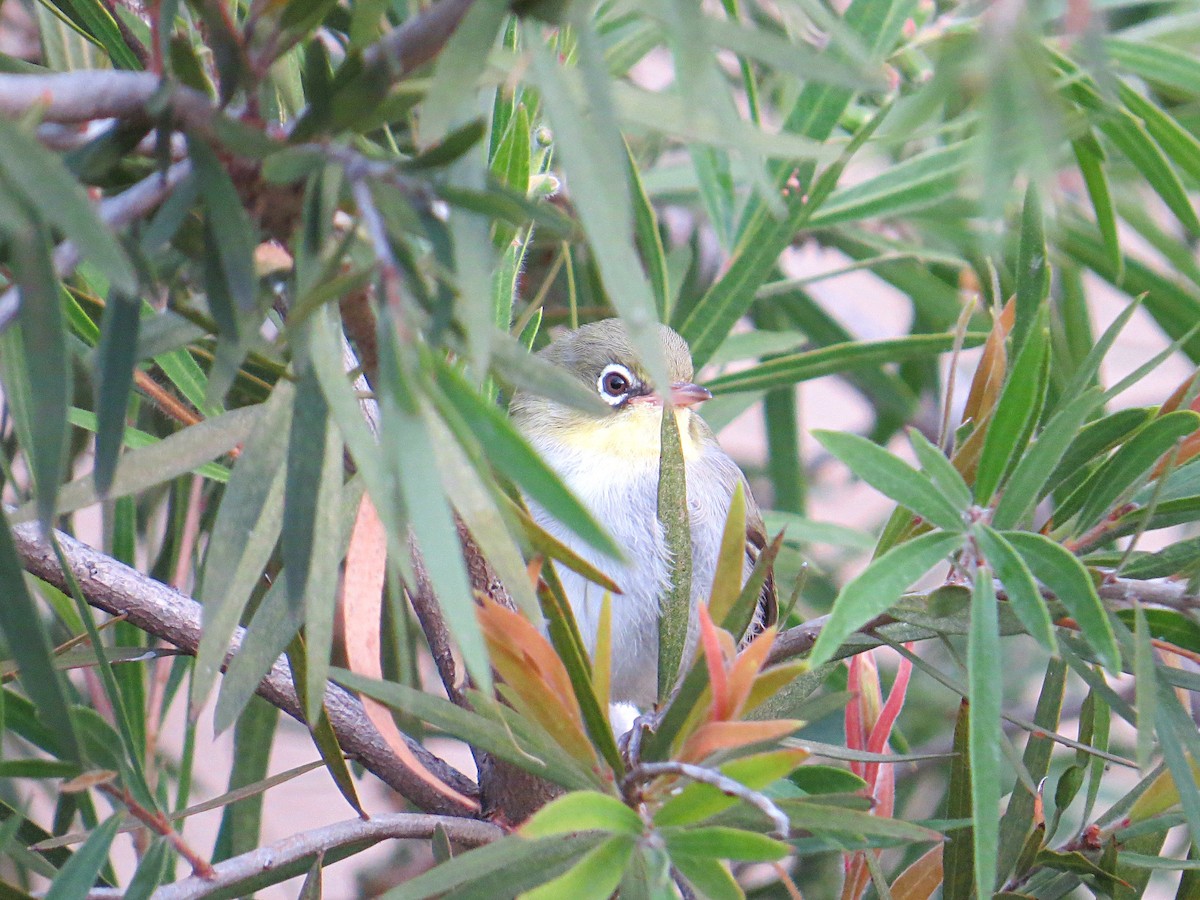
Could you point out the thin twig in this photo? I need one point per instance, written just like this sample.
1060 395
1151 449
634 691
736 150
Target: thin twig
307 844
161 825
648 771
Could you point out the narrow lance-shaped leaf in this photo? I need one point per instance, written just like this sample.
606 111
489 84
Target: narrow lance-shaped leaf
1090 158
243 537
79 874
511 453
731 562
1033 469
311 539
940 470
1018 408
1023 595
42 369
45 184
230 225
1065 575
1033 273
593 159
21 624
115 359
673 514
878 588
984 679
892 476
1132 463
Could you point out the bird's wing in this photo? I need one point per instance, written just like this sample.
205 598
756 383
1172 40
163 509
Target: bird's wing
767 612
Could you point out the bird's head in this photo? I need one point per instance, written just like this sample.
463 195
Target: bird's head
601 356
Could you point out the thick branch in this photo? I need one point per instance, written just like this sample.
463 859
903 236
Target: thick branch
308 844
419 39
84 95
168 614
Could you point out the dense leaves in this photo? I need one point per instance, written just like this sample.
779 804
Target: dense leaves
270 274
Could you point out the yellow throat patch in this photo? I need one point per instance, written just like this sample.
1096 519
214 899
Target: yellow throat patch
630 434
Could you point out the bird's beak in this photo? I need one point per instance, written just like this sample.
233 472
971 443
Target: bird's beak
685 394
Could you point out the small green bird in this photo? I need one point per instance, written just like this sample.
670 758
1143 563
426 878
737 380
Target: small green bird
611 462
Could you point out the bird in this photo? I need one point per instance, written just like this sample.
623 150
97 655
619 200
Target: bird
610 461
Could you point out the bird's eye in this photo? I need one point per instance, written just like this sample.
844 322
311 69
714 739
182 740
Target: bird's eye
614 383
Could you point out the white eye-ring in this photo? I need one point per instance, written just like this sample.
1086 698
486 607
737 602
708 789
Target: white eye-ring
614 383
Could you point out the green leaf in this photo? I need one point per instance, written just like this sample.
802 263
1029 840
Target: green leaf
114 380
152 870
511 453
594 877
805 531
1172 560
763 238
79 874
594 161
818 816
940 470
244 535
1033 470
319 727
583 811
1131 464
1090 158
1033 273
958 858
1019 820
675 609
1167 625
985 680
913 184
44 184
708 876
497 860
452 85
154 461
878 588
311 542
1092 440
1065 575
1145 687
720 842
21 625
893 477
272 628
40 371
835 360
229 226
97 22
1156 62
1017 410
649 241
1023 594
413 456
1131 137
241 821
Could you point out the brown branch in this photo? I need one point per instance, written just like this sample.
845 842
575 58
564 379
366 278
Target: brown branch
308 844
165 613
160 825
